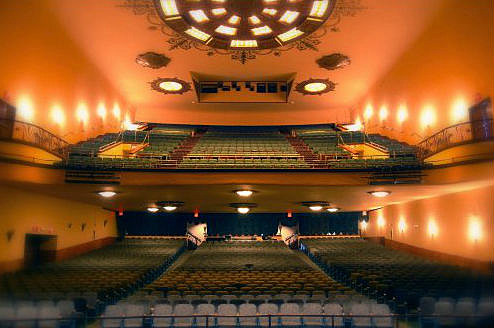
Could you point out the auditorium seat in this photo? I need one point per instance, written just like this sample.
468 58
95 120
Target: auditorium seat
205 309
162 310
312 309
247 309
183 310
114 316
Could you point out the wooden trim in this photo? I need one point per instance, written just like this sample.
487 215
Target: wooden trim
481 266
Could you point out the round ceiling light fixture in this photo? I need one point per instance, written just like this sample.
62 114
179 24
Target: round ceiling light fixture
153 209
379 193
170 86
107 193
315 206
244 193
243 208
241 24
332 209
315 86
169 206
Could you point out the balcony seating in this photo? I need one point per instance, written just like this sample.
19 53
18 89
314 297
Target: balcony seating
398 278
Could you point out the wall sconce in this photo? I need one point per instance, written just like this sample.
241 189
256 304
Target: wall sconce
105 223
402 225
10 235
433 229
83 226
475 230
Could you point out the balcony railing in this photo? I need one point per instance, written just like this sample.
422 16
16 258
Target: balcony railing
33 135
458 134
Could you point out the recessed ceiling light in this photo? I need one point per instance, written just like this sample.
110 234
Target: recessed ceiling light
107 194
227 30
333 209
315 208
169 208
261 30
243 210
243 43
319 8
169 7
289 16
380 194
244 193
198 34
315 87
218 11
234 20
171 86
269 11
289 35
153 209
254 20
198 15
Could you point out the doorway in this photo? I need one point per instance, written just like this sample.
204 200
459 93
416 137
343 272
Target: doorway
39 249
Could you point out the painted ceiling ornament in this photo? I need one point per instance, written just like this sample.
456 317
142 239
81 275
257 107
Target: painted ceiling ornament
170 86
333 61
315 87
243 29
152 60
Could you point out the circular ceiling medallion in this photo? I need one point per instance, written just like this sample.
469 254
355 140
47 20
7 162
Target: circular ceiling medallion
170 86
333 61
244 24
315 86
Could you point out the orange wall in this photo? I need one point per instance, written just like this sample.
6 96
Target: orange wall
25 212
454 215
41 68
449 67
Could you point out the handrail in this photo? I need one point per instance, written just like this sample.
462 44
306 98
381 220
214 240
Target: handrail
457 134
34 135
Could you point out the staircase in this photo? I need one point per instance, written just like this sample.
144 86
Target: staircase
301 147
180 152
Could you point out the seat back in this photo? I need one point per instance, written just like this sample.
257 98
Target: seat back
134 310
312 309
115 313
247 309
381 309
268 308
290 308
204 309
181 310
162 310
227 309
361 309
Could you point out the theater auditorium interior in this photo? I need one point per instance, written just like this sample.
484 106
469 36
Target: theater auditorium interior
246 163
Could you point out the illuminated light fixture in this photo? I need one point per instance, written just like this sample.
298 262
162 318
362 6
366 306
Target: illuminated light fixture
243 43
25 109
289 16
432 228
244 193
357 126
170 86
58 115
169 7
254 20
107 193
368 112
263 30
218 11
82 113
475 230
226 30
198 34
101 111
402 114
198 15
153 209
269 11
116 111
234 20
315 86
383 113
428 116
315 206
169 208
459 111
290 35
319 8
288 20
402 225
379 194
243 208
333 209
380 221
